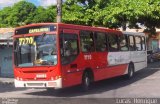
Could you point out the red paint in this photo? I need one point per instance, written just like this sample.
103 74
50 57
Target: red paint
73 77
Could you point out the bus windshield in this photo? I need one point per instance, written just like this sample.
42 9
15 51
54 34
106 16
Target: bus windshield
35 50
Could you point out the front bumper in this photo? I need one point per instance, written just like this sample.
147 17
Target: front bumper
39 84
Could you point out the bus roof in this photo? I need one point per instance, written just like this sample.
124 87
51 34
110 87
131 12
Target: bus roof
133 33
81 27
73 26
35 24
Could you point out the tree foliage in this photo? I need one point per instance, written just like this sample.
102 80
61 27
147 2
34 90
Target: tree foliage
119 13
23 13
44 14
17 15
107 13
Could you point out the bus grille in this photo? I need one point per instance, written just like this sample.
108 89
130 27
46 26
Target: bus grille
38 71
36 85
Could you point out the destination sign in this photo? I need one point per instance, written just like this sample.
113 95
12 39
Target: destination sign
39 30
27 40
35 29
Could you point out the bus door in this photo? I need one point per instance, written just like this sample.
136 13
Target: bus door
69 48
100 55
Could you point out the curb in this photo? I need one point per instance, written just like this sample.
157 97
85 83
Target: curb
6 83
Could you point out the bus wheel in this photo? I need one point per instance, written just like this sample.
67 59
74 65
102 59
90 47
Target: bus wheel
130 73
86 81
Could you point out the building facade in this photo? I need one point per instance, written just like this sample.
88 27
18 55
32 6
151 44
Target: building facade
6 69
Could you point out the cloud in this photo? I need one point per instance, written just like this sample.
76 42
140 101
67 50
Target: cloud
5 3
46 3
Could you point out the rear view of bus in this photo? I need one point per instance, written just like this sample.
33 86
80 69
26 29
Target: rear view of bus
36 56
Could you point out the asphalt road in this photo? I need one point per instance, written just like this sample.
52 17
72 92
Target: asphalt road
145 84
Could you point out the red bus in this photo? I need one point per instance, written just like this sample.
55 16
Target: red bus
57 55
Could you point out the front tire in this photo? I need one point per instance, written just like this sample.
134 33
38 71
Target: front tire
86 81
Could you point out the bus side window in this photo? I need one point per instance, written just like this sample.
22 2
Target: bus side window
87 41
100 40
143 44
138 43
123 43
131 43
69 47
113 42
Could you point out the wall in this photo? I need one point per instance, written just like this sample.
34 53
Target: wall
6 62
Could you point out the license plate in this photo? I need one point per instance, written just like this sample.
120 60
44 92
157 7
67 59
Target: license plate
41 76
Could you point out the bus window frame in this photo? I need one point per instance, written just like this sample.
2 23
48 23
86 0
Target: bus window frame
78 49
117 36
138 43
143 43
126 41
106 41
134 46
80 38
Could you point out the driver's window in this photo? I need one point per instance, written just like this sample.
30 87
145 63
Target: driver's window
69 47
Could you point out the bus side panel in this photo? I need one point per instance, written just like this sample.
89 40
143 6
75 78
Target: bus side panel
100 62
72 73
110 72
106 68
139 59
116 65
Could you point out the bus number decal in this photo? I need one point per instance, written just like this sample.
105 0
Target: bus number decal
87 57
29 40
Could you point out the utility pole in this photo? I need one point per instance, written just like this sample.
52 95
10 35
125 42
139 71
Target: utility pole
59 11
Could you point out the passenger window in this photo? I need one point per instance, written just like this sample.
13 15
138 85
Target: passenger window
138 43
131 43
87 41
123 43
113 43
143 44
100 39
69 47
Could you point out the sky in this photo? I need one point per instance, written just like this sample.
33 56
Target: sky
45 3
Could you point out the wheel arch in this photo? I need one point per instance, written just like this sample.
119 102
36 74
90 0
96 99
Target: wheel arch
130 63
90 71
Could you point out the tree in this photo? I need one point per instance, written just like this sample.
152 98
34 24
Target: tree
106 13
4 14
22 13
73 13
131 12
85 12
114 13
42 14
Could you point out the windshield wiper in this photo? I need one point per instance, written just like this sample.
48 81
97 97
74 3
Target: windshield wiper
47 63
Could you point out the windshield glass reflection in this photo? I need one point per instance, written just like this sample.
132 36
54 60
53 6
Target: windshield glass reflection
36 51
